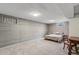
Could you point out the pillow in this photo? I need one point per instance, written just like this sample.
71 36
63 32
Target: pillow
58 33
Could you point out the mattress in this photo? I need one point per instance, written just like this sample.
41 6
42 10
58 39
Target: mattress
54 37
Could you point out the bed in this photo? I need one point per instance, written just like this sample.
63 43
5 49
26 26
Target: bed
54 37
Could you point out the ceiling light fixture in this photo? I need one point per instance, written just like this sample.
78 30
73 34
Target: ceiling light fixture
35 14
51 21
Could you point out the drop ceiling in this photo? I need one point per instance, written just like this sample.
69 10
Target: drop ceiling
40 12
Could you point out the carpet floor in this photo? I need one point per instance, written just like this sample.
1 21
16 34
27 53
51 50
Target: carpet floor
34 47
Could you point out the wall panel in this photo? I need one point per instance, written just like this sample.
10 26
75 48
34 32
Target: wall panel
14 30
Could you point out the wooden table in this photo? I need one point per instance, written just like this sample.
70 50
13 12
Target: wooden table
75 41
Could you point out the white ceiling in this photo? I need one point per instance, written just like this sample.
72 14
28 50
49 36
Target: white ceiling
47 11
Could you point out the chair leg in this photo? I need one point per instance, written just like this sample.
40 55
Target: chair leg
64 46
69 50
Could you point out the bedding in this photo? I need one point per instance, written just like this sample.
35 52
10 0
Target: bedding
54 37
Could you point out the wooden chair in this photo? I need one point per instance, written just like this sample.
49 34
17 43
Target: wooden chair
67 42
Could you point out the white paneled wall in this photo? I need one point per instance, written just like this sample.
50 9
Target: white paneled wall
14 30
74 26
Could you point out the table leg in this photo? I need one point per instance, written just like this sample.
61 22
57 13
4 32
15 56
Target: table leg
76 48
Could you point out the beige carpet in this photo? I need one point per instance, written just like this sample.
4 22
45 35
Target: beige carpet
34 47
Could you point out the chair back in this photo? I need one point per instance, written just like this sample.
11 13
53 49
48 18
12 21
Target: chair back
65 37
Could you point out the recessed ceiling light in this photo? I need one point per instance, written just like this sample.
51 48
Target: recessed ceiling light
51 20
35 14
